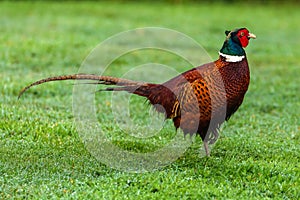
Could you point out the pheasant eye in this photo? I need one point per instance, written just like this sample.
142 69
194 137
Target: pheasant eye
242 34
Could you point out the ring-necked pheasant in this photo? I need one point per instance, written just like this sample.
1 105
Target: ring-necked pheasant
198 100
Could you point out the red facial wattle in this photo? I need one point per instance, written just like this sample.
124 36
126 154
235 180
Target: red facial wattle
244 41
243 37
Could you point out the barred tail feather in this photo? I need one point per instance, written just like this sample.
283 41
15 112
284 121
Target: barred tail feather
138 89
105 80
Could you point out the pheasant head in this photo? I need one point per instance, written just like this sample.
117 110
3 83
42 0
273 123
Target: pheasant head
235 41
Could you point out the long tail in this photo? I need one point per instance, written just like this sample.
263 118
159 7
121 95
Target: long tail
135 87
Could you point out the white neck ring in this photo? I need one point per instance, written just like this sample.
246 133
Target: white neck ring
231 58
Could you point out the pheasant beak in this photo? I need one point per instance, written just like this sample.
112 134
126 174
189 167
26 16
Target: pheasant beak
251 35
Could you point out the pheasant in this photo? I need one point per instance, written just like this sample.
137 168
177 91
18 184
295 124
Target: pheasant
198 100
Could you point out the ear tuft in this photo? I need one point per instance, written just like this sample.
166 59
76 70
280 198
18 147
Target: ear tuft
227 32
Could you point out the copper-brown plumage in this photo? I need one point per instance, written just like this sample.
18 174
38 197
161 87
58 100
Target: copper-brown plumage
198 100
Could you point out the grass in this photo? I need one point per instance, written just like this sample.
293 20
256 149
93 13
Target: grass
42 154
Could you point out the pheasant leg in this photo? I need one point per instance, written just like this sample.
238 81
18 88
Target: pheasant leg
206 149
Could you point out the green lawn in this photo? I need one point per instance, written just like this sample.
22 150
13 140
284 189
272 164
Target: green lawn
42 155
